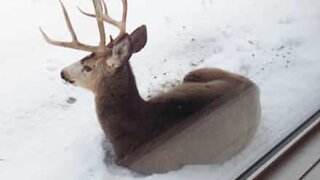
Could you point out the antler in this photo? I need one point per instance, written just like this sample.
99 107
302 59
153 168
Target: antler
121 25
99 13
75 44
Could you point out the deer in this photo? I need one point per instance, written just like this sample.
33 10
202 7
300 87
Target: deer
127 120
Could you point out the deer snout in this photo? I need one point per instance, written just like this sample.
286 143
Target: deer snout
64 77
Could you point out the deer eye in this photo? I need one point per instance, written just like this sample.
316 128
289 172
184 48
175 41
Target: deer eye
86 69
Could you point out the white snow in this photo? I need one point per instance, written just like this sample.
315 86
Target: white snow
275 43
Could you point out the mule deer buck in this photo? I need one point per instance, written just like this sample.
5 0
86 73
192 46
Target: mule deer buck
129 121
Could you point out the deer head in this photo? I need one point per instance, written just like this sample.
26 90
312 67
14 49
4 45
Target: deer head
105 59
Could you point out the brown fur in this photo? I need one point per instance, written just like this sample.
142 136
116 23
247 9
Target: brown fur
129 121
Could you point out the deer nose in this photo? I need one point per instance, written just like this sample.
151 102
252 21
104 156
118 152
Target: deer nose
64 77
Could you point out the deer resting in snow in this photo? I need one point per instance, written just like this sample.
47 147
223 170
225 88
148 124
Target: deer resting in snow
128 120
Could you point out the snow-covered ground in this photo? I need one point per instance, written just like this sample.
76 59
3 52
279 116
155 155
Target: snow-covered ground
43 136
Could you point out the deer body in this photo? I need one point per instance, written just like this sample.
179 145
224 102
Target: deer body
129 121
126 119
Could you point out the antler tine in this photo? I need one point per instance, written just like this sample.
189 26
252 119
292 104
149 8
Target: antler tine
121 25
99 17
74 44
68 22
85 13
71 45
124 15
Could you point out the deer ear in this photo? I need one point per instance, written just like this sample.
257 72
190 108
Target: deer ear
138 38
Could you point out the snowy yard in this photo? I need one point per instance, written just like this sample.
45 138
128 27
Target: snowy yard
44 135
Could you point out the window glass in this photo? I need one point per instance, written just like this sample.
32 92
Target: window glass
50 131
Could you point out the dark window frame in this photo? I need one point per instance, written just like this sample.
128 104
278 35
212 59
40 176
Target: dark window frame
281 148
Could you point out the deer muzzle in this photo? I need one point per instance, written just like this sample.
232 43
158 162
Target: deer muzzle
64 77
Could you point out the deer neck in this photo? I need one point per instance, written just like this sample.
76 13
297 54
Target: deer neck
121 110
118 100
